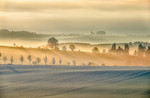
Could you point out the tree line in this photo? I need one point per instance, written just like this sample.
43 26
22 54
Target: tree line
141 51
35 61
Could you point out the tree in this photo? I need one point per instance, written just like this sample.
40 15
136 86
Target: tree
38 60
113 48
64 48
60 61
126 49
95 49
53 42
74 62
72 47
68 63
29 58
12 60
120 50
4 59
45 60
14 44
22 59
141 50
53 60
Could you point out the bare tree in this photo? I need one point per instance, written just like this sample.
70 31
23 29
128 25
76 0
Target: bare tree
22 59
4 59
45 60
29 58
72 47
12 60
38 60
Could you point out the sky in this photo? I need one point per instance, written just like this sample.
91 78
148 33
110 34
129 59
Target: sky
76 16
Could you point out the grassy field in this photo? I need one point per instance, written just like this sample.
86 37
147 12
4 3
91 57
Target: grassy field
81 58
39 81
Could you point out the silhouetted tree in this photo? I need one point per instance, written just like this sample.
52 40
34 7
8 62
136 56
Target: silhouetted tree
126 49
38 60
29 58
4 59
53 42
72 47
95 49
120 50
64 48
22 59
45 60
113 49
12 60
53 60
141 50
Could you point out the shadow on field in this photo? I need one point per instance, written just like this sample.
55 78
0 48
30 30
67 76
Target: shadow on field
12 69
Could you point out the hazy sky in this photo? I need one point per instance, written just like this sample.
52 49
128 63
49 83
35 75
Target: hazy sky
76 16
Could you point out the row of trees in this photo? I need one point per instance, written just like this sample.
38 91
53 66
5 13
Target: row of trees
53 44
141 51
34 62
119 50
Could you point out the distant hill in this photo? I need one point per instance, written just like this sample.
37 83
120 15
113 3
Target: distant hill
100 33
4 33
